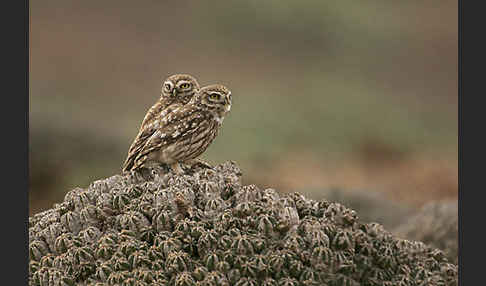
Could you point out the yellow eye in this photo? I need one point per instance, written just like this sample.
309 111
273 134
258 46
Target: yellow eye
185 85
214 96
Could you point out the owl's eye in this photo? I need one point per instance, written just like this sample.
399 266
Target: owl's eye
167 86
185 85
214 96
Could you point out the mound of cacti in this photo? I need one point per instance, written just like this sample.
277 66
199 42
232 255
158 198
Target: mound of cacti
205 228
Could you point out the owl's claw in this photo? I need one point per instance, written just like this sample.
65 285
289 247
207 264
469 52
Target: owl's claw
176 168
200 163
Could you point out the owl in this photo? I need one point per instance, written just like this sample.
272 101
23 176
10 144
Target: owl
176 90
186 131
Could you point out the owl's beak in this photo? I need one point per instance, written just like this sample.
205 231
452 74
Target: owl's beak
174 92
227 107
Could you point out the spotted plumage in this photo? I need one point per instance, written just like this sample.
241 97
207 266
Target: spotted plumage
185 131
176 91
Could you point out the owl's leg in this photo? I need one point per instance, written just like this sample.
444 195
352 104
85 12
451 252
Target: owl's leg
200 162
160 170
141 174
154 168
177 168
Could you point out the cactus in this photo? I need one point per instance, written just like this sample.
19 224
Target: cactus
205 228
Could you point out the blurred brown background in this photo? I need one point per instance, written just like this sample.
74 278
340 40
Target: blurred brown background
358 96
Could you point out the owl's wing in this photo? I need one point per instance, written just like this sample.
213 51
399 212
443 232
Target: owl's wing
157 108
175 127
147 129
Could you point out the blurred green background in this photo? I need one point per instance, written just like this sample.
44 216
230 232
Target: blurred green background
328 95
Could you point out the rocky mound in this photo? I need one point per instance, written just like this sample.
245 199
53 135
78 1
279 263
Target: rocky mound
205 228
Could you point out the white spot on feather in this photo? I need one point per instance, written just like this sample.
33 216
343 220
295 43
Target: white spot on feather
219 119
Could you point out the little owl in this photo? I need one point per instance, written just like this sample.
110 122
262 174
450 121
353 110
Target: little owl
185 131
176 89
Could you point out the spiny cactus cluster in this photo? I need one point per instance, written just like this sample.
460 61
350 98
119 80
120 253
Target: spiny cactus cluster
205 228
436 225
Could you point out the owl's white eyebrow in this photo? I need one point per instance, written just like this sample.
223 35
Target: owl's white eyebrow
182 82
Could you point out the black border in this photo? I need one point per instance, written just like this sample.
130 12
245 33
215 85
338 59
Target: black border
15 119
471 178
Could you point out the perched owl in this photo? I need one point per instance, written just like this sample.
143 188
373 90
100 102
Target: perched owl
186 131
176 89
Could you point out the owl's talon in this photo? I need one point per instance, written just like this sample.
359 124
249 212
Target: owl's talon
176 168
199 163
204 165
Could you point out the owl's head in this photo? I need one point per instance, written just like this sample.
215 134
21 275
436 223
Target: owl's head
216 98
179 87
